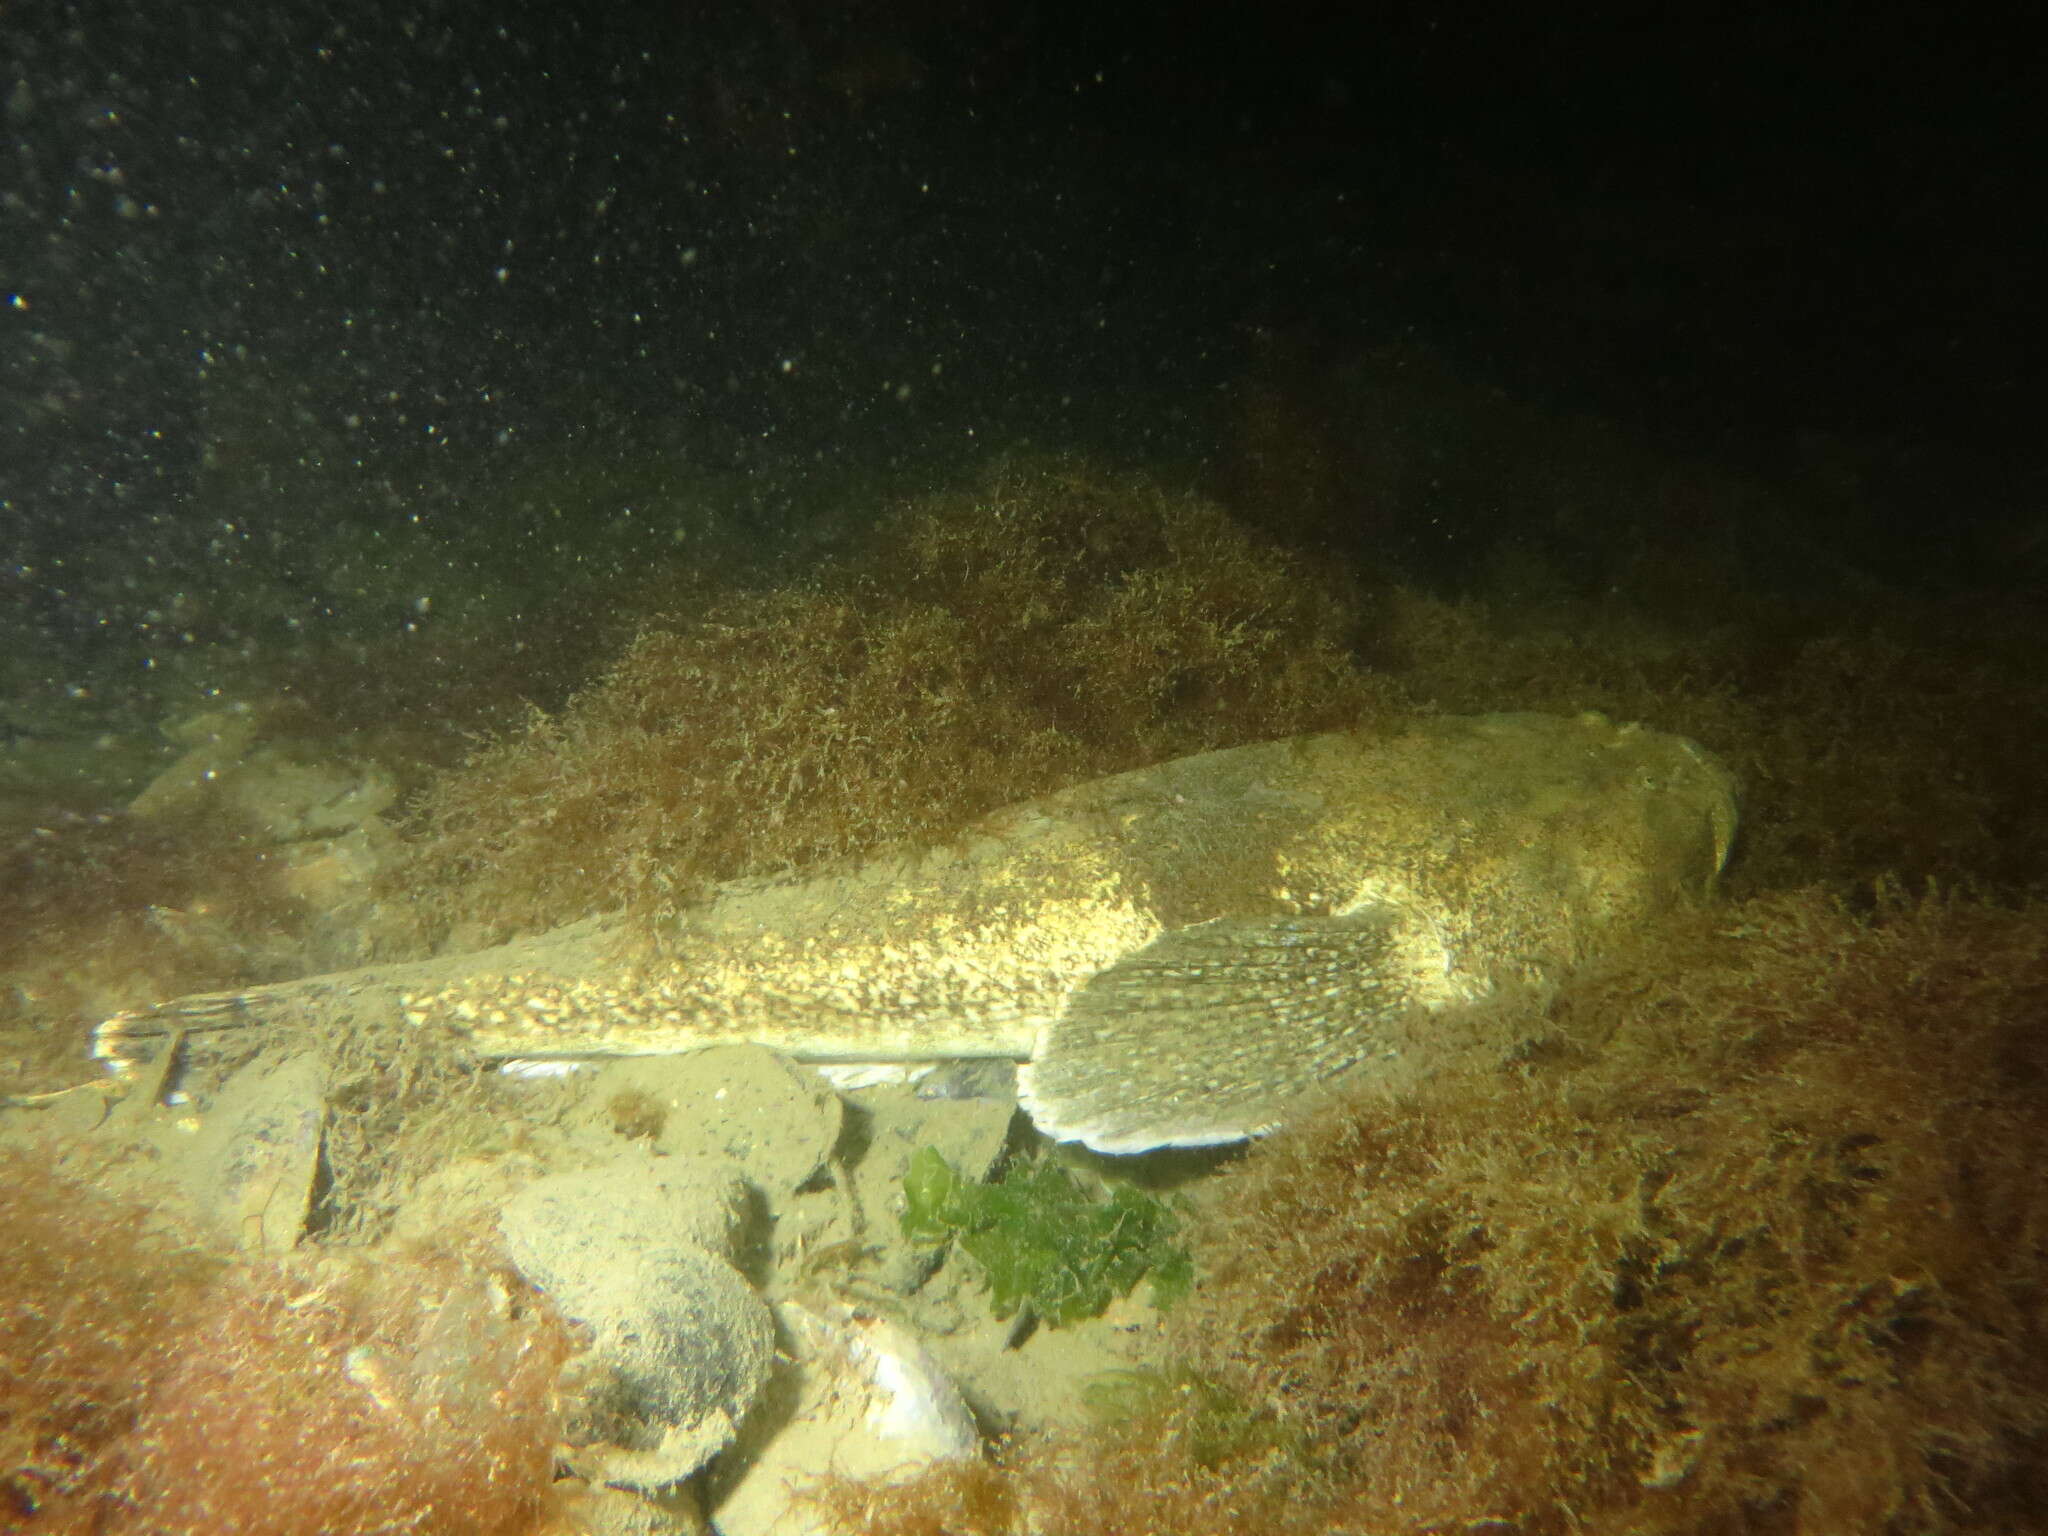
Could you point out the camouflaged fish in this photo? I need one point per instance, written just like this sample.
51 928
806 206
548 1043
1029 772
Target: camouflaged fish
1175 954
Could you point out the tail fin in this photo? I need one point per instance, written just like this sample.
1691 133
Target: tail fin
369 997
221 1021
130 1040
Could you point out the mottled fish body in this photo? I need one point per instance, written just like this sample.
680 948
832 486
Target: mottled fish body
1175 953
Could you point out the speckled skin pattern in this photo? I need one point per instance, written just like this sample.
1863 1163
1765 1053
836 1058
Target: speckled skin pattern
1176 951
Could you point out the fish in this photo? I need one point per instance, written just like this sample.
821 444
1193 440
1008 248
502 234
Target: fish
1176 955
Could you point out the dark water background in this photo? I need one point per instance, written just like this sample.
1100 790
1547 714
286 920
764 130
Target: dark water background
325 328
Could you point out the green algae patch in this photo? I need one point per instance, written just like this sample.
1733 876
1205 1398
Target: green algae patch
1044 1241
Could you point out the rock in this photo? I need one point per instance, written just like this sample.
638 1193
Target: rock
680 1343
571 1225
214 744
333 881
775 1120
291 792
294 797
464 1194
252 1161
863 1399
585 1510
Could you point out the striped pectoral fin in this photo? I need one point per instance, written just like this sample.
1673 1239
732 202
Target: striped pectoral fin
1209 1033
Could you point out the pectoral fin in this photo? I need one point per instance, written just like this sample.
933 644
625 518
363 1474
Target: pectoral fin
1207 1034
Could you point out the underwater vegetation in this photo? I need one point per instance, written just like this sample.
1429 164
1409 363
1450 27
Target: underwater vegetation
1214 1424
1744 1233
1755 1240
150 1389
1043 1241
1125 1479
1055 621
1046 624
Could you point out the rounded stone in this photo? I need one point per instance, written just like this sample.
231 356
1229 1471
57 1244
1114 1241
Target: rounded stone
680 1344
